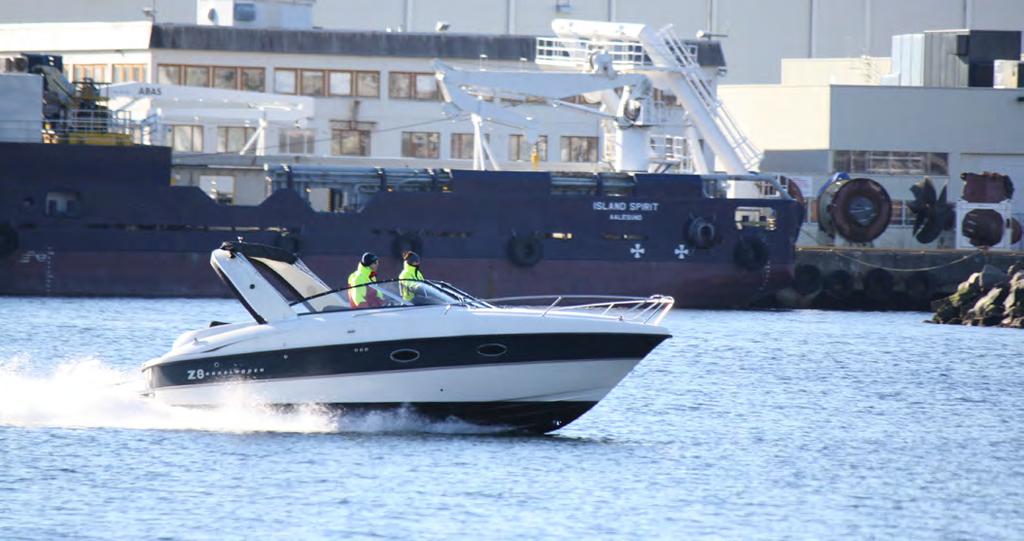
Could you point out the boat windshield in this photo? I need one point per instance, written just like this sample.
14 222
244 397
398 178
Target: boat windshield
385 294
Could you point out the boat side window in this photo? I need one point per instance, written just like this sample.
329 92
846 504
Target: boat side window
763 217
63 204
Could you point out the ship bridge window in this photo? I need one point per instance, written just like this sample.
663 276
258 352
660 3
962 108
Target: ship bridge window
763 217
462 145
578 149
64 204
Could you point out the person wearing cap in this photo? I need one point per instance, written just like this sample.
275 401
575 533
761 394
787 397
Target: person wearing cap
410 271
365 273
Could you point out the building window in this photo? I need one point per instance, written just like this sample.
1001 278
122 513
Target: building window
296 141
462 145
253 79
129 73
197 76
95 72
226 78
220 188
233 138
421 144
883 162
519 149
339 83
284 81
664 97
579 149
311 83
351 139
368 84
168 74
187 138
412 86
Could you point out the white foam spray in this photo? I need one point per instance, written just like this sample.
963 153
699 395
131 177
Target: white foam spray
87 393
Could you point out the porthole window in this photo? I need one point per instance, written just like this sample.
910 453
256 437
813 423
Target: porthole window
404 355
492 350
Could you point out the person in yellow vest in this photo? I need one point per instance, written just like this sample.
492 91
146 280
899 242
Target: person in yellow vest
410 271
365 273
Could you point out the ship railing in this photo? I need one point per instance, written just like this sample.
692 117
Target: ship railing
643 310
762 186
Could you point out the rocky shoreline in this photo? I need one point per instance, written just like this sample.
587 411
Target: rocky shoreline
989 298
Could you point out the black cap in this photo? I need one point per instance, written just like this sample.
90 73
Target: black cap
368 259
411 258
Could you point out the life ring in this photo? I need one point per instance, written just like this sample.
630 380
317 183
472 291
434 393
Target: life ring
751 253
288 241
858 210
406 242
919 286
525 251
838 285
806 279
701 233
878 284
8 239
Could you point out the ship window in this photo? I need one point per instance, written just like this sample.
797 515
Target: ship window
492 350
349 142
755 217
579 149
558 235
187 138
63 204
519 149
404 355
234 138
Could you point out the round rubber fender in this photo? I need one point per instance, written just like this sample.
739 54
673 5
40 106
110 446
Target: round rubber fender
919 286
806 279
407 242
878 284
984 227
860 210
288 241
838 284
701 233
1016 231
525 251
8 239
751 253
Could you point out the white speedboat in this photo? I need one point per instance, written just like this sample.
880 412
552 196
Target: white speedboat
422 345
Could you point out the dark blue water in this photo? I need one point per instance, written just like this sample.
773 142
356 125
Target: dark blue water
746 425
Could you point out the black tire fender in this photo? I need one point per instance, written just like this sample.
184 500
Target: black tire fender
807 279
838 284
525 251
919 286
878 285
701 233
751 253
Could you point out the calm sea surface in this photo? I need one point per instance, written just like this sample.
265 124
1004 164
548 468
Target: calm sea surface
745 425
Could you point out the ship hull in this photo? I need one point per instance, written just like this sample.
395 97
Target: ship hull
186 274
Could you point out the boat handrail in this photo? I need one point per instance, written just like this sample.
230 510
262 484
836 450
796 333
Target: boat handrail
642 310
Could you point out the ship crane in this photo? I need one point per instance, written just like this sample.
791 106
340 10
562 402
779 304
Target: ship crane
613 53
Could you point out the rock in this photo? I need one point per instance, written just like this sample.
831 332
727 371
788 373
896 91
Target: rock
1013 304
991 277
1016 267
988 310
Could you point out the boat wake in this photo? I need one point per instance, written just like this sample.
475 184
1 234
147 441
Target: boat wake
88 393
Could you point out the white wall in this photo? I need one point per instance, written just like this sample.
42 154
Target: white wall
21 109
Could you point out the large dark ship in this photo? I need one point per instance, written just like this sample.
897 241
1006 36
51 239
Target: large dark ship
90 220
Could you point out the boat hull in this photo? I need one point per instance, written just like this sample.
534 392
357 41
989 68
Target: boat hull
522 396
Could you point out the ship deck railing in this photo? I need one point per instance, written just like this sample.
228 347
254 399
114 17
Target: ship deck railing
643 310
